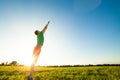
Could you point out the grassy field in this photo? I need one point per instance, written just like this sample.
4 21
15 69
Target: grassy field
61 73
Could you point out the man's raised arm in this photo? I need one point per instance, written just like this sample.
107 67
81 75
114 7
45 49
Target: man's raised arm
44 29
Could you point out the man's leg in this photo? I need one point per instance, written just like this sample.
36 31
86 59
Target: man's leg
32 66
32 69
36 53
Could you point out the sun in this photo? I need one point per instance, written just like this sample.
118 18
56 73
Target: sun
26 60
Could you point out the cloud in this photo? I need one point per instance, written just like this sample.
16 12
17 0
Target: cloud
83 6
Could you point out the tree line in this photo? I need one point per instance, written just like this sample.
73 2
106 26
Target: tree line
15 63
82 65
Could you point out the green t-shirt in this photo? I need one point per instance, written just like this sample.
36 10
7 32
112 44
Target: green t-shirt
40 39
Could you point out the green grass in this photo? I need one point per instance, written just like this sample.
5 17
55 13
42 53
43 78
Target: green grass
61 73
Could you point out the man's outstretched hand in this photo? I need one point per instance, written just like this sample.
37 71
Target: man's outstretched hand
48 22
44 29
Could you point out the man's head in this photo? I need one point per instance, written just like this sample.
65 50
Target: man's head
36 32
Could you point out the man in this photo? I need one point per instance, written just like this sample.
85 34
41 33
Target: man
37 49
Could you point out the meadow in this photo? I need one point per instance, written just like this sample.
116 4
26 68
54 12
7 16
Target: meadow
61 73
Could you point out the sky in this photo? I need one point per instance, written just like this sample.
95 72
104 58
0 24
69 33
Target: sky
80 31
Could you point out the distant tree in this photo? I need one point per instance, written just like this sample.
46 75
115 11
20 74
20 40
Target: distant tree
2 63
14 63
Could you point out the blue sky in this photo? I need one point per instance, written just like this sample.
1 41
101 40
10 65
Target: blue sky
80 32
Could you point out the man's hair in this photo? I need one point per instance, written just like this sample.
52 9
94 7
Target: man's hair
36 32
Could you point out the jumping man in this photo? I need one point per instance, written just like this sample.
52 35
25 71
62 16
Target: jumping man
37 49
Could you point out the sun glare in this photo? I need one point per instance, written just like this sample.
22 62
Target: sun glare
27 61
